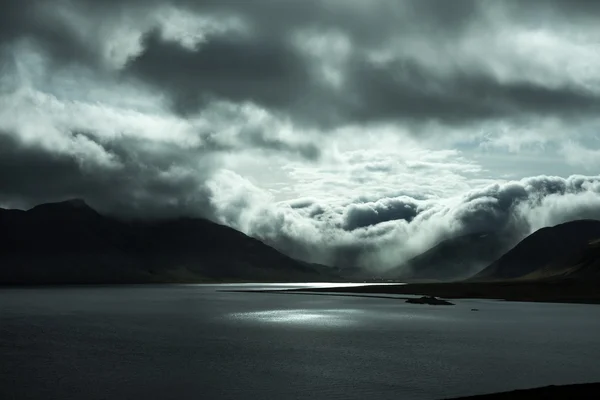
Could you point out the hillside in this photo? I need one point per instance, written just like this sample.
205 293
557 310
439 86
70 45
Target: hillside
69 242
452 259
585 265
547 249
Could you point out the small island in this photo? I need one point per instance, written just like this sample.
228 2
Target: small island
431 300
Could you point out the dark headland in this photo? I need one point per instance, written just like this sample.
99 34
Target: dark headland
581 391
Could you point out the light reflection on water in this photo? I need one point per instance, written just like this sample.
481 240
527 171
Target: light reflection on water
335 317
332 317
296 285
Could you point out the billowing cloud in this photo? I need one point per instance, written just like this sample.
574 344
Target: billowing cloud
382 234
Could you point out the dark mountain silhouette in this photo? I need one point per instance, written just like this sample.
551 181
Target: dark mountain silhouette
453 259
585 265
547 249
69 242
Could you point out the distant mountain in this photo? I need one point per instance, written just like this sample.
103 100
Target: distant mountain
453 259
548 249
69 242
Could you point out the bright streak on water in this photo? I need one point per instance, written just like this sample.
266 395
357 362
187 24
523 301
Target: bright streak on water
333 317
275 286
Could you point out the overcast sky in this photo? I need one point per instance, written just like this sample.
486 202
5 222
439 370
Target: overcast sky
340 131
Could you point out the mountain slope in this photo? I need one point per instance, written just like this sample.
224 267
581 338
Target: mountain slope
69 242
543 249
455 258
585 265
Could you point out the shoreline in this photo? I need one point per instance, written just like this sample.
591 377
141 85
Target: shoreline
523 291
559 291
576 391
159 283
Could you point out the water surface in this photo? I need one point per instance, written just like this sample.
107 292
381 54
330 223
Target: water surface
206 342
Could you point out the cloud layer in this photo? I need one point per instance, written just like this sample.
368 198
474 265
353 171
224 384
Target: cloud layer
383 233
338 131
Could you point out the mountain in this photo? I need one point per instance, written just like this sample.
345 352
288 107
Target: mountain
585 265
69 242
545 250
452 259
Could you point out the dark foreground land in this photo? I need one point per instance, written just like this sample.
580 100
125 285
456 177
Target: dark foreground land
562 291
583 391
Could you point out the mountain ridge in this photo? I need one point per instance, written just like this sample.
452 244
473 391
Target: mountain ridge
69 242
453 259
548 246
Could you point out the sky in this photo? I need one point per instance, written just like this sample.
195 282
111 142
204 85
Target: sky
346 132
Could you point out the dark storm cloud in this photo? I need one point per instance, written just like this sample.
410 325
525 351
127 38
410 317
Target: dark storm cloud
368 214
264 66
233 68
37 22
258 138
548 11
267 69
140 186
301 203
406 90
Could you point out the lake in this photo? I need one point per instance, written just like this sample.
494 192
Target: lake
203 342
